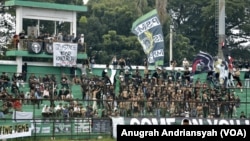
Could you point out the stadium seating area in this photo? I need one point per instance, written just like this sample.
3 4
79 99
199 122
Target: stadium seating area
77 95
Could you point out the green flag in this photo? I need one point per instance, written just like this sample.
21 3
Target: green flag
149 32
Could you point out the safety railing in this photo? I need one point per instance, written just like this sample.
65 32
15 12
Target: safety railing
70 129
45 45
92 119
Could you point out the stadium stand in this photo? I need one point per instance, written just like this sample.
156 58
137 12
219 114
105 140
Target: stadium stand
77 92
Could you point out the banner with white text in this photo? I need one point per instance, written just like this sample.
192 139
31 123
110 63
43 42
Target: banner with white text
64 54
183 132
21 126
15 130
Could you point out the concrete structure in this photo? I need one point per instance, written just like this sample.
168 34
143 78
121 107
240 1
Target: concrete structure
43 11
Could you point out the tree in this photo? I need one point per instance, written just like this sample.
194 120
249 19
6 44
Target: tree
161 6
107 25
195 19
7 31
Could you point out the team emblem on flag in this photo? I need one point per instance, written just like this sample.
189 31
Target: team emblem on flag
147 42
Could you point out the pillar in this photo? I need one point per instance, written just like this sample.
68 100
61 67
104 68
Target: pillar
19 28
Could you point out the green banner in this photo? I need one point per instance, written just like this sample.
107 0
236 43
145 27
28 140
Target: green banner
148 29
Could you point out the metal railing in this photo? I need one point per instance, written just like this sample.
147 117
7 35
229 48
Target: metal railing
71 129
99 108
46 45
91 123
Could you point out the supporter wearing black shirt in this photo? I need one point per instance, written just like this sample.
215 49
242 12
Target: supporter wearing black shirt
64 81
243 116
126 76
210 75
46 79
24 72
171 76
73 70
128 63
5 80
14 88
178 75
107 80
187 76
22 35
105 71
137 79
156 75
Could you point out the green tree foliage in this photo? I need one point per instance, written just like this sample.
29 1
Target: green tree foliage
195 19
83 20
181 48
122 46
107 26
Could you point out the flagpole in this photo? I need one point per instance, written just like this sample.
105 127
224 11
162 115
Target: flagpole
171 45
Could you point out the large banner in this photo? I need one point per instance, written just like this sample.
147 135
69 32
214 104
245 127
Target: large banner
15 130
82 125
43 127
72 127
174 121
149 32
62 127
64 54
19 127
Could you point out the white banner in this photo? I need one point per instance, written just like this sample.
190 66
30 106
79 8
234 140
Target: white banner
82 125
15 135
20 127
22 116
64 54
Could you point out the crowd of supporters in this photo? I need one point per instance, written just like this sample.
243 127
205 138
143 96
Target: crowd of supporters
163 94
23 41
131 93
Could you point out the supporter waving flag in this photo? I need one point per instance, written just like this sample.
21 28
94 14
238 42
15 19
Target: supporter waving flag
203 62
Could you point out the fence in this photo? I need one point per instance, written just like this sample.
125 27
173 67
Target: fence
93 123
46 45
81 125
78 128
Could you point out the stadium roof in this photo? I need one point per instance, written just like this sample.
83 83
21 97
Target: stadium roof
47 5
